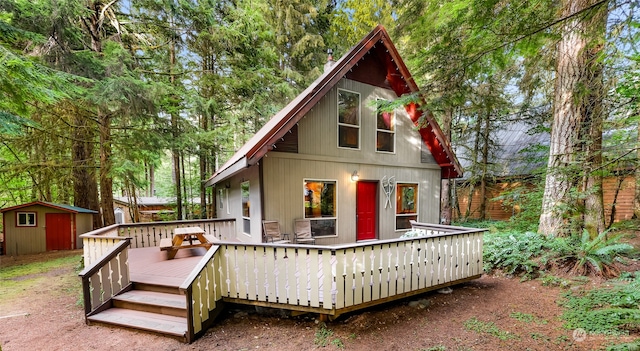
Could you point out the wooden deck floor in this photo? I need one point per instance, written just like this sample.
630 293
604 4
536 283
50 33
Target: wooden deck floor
149 265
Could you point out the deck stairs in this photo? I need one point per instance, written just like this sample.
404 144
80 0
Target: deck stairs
152 308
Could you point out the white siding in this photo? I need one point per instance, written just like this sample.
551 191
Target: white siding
251 174
284 199
318 130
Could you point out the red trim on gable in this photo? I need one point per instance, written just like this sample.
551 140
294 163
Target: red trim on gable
429 131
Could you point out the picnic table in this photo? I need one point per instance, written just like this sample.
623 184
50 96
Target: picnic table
185 238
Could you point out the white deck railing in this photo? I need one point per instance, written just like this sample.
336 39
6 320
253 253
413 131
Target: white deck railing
333 278
98 242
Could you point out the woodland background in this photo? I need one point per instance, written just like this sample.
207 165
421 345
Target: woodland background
148 97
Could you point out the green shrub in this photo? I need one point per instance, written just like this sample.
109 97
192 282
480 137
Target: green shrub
612 310
515 252
585 256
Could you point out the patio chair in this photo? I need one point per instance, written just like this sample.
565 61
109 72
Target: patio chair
272 233
302 232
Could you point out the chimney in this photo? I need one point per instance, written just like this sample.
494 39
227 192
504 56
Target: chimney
330 61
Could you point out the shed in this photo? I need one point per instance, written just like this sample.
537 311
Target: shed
43 226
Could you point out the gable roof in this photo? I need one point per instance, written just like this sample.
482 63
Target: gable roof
391 73
67 208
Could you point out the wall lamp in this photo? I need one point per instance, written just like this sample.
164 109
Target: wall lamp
355 176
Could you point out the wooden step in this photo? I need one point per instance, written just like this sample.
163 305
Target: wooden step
168 289
152 322
152 301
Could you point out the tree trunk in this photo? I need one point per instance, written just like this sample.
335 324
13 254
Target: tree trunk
106 180
573 70
445 187
175 132
636 198
178 184
85 187
593 111
484 165
187 195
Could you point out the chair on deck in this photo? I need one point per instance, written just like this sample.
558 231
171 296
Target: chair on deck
302 231
272 232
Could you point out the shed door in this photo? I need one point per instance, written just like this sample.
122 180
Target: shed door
58 231
366 216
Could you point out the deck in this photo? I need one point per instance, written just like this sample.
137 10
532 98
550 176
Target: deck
149 265
326 280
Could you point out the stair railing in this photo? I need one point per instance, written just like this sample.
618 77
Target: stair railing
203 294
106 278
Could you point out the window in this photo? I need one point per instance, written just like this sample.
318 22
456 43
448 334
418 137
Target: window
26 219
320 206
348 119
223 199
119 214
406 205
246 205
385 129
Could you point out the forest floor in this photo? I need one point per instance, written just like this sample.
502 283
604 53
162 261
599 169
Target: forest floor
43 311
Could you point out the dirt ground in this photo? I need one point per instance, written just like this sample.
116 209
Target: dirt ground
50 317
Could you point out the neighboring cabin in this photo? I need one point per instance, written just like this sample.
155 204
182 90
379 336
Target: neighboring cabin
521 151
142 208
304 162
43 226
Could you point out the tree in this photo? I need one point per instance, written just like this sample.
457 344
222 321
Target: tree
576 131
453 48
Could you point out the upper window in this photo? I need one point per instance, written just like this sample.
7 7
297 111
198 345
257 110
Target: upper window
406 204
385 129
246 206
26 219
348 119
320 206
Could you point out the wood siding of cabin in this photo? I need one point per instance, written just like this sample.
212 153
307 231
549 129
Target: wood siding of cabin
284 176
496 210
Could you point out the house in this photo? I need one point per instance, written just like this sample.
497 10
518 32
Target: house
144 208
43 226
331 156
521 152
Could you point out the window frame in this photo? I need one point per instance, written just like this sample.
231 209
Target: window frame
33 214
347 125
410 214
335 209
246 220
391 132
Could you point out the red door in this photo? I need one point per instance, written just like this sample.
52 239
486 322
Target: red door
58 231
366 218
